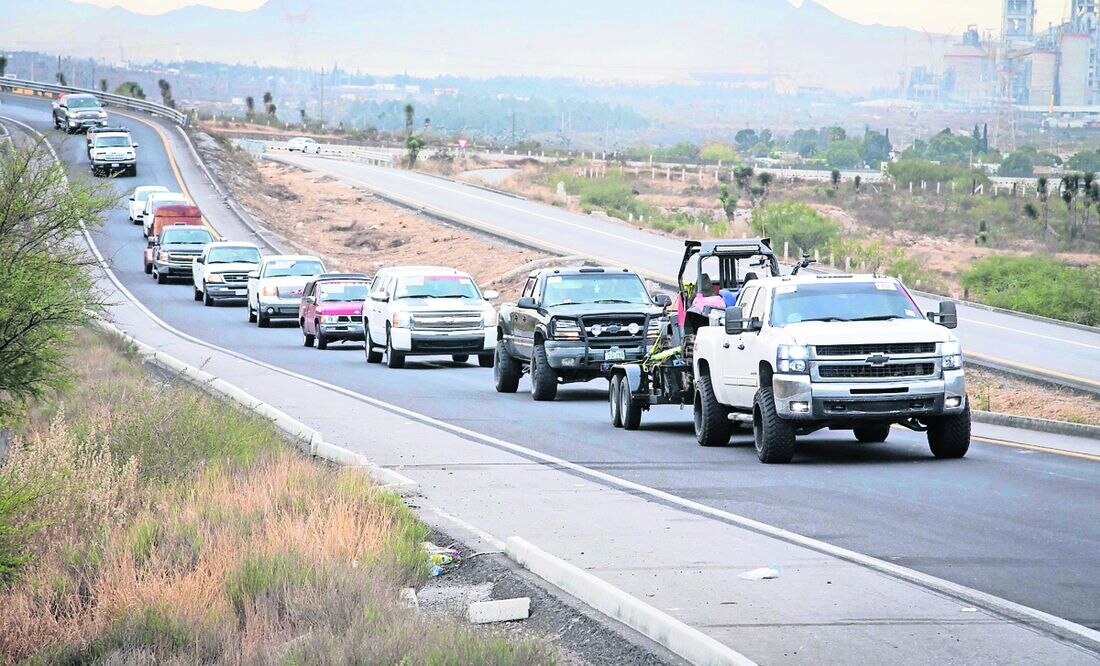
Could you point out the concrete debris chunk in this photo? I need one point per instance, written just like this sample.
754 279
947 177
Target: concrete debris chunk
407 596
499 610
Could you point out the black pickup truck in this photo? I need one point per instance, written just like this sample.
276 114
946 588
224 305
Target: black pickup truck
573 325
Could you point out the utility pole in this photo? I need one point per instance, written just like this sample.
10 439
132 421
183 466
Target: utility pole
513 128
322 98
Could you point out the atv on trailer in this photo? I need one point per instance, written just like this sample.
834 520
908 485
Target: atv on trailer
711 276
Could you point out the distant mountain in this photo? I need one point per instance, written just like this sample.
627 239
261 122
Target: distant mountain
640 40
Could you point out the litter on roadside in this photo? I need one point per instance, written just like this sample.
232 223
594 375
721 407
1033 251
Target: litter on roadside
440 559
763 573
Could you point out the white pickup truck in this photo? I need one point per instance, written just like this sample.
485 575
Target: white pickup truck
846 352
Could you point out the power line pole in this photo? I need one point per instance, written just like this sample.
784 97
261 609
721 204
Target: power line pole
322 98
513 128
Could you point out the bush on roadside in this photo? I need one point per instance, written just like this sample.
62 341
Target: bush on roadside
1037 285
799 225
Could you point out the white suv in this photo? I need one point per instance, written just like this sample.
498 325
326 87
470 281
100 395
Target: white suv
275 287
111 152
220 273
428 310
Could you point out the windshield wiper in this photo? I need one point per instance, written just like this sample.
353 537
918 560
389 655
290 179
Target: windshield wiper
827 319
878 318
612 300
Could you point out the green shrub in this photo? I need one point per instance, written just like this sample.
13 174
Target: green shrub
15 531
1037 285
797 224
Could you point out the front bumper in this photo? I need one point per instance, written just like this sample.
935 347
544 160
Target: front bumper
173 268
342 331
841 402
469 341
281 308
113 164
85 123
227 292
564 355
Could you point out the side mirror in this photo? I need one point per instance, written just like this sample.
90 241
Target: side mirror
663 300
136 145
735 322
253 274
491 294
55 105
310 299
200 260
152 241
527 303
132 198
947 316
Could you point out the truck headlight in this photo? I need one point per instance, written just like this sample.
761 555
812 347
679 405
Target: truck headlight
329 319
565 329
489 318
952 355
792 359
162 256
401 320
215 277
269 290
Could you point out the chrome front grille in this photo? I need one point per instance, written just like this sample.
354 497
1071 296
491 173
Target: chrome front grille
614 330
181 257
446 321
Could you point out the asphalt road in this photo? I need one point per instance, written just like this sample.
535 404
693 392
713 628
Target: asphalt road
1040 347
1019 524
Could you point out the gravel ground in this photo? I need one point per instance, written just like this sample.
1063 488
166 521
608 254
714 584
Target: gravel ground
581 635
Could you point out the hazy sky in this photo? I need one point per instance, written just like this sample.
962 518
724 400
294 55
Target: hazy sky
950 16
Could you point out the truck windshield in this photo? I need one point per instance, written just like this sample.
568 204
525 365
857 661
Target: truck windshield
343 291
291 267
436 286
842 301
595 288
233 255
189 236
112 142
82 103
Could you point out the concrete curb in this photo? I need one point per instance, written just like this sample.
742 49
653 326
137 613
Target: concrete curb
1041 425
689 643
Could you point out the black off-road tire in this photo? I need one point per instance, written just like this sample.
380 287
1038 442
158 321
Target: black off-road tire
148 269
544 381
460 358
630 413
613 400
372 354
394 359
486 360
262 320
773 436
322 341
307 338
251 314
712 423
207 299
949 436
198 294
872 434
161 278
506 370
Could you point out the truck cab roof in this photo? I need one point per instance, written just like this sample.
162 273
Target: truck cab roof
580 270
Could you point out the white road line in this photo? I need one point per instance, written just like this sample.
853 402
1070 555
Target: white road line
1052 623
1035 335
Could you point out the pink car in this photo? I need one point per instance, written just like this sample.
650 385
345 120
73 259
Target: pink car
332 308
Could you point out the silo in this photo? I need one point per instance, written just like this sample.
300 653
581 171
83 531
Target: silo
1073 74
969 64
1043 64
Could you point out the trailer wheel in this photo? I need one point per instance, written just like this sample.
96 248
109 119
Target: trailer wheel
613 400
629 413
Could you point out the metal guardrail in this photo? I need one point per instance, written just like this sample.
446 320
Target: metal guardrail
107 99
341 151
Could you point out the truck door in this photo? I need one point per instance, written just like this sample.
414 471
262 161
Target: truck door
375 308
749 349
732 356
524 320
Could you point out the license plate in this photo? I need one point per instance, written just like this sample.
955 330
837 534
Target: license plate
240 292
114 166
614 355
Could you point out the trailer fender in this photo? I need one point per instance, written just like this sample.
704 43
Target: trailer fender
633 375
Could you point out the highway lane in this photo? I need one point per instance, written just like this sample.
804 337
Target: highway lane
1014 523
1035 346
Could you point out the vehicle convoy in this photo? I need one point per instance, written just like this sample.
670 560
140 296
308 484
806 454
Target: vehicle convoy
275 286
846 352
175 249
332 308
711 275
78 112
573 325
170 216
155 201
220 272
136 205
112 151
428 311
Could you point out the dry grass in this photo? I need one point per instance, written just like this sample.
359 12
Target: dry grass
172 529
1007 395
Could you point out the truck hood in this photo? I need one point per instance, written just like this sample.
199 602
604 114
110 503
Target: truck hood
439 304
866 332
602 309
181 247
340 308
238 267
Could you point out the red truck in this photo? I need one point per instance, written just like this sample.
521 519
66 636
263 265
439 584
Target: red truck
166 217
332 308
